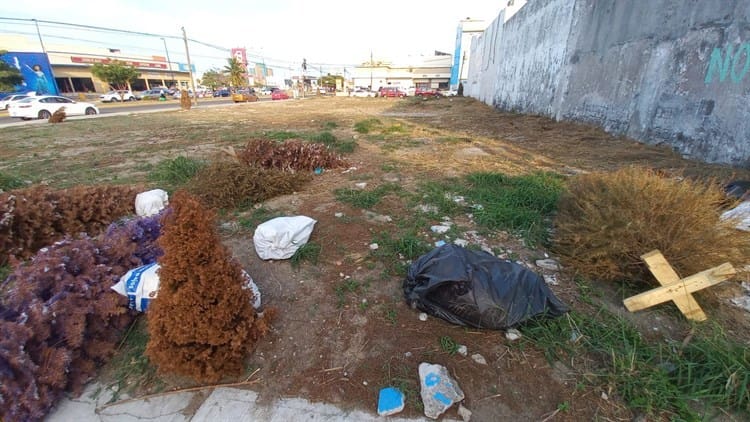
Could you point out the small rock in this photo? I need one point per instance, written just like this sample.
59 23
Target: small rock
339 214
361 185
476 357
374 246
463 350
390 401
422 316
548 264
464 413
512 334
427 208
364 383
605 396
551 279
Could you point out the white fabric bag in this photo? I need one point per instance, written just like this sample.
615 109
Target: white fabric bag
279 238
140 285
151 202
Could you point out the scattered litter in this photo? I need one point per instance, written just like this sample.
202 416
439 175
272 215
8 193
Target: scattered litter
250 284
139 285
440 229
151 202
377 217
374 246
474 288
744 300
461 242
741 213
548 264
464 413
427 208
361 185
605 396
338 214
422 316
279 238
574 336
439 243
513 334
318 170
463 350
551 279
476 357
348 170
390 402
439 391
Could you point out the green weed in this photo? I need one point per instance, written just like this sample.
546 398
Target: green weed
132 367
448 345
309 252
344 288
8 182
281 135
175 172
365 198
365 126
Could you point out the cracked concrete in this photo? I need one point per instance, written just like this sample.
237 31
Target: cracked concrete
222 404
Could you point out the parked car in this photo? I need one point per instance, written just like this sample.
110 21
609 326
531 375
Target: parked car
359 92
154 94
6 100
427 92
279 95
115 96
244 96
391 91
222 93
43 106
178 94
268 90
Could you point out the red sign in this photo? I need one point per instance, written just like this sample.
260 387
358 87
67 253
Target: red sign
240 54
92 60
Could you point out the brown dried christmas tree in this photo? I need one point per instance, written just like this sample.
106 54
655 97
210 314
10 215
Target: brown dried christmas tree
202 325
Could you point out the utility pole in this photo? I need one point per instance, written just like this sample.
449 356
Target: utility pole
371 64
190 67
169 63
44 50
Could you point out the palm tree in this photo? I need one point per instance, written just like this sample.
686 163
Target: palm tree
236 71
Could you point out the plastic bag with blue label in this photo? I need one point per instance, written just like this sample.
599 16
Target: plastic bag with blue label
140 285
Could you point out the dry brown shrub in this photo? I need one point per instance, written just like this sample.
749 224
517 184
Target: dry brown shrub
606 221
35 217
58 116
203 324
292 155
185 101
229 184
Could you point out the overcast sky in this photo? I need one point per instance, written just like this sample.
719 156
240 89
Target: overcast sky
322 31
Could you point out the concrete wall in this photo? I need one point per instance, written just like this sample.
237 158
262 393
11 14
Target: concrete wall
662 71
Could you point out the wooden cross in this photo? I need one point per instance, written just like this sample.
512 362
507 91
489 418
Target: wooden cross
675 289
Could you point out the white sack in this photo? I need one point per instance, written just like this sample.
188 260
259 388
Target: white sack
742 213
151 202
140 285
279 238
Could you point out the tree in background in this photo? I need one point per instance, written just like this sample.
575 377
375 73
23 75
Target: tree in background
9 75
116 73
214 78
236 72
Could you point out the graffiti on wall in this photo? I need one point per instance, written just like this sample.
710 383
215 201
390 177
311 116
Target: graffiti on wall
728 62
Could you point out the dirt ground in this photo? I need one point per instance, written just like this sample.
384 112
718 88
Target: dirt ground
337 345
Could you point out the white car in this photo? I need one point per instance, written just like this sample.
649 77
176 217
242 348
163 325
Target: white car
362 93
5 101
43 106
115 96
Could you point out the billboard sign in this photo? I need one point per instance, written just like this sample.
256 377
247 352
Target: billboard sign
35 70
240 54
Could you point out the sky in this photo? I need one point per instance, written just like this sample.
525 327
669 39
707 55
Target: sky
327 33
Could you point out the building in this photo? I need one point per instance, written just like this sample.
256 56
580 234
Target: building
467 30
420 72
70 66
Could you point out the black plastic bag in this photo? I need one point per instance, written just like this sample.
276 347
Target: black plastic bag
477 289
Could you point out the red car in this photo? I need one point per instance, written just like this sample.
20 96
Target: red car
279 95
427 92
390 91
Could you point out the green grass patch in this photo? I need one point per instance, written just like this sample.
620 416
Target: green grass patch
132 368
309 252
329 139
396 251
448 345
258 216
8 182
281 135
518 204
345 288
399 374
365 199
672 379
175 172
330 125
366 126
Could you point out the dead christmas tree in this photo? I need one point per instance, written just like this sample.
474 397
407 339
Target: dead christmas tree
202 325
